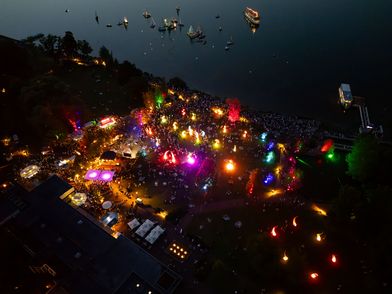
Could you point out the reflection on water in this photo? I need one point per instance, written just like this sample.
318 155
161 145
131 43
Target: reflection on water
294 61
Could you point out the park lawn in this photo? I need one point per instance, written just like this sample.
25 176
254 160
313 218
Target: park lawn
322 178
256 257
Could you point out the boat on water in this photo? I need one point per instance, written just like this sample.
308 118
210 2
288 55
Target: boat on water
178 9
227 48
109 25
252 16
125 21
153 24
163 27
230 42
146 14
180 24
192 34
96 17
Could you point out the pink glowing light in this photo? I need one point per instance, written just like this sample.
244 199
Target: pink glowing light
92 174
106 176
191 159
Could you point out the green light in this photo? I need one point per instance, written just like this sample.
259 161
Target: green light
303 161
332 156
270 157
158 100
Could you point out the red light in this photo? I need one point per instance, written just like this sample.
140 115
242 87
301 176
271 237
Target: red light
273 232
169 157
314 276
327 145
334 259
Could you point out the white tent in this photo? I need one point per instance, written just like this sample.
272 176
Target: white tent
154 234
133 224
144 228
107 205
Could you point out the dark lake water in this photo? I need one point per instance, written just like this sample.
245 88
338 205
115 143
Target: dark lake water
293 63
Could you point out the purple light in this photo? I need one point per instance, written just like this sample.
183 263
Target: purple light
106 176
92 174
191 160
101 175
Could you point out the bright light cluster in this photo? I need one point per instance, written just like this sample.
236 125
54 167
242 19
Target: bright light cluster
178 251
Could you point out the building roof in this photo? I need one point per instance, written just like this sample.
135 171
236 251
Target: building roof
98 262
108 155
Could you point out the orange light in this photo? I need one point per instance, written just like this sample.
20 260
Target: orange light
333 258
273 232
285 258
245 134
295 221
230 166
319 210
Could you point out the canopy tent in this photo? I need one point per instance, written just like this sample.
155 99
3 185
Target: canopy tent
144 228
29 172
79 198
133 224
154 234
107 205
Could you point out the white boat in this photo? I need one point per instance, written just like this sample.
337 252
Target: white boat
193 34
252 16
230 42
125 21
146 14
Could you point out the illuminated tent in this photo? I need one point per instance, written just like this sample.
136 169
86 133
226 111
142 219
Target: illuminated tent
29 172
144 228
154 234
133 224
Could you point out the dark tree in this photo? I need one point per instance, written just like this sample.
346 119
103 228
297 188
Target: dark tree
178 83
84 48
50 44
105 55
364 158
127 70
69 45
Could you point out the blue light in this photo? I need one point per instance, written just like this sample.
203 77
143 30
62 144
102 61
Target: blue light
270 146
263 136
268 179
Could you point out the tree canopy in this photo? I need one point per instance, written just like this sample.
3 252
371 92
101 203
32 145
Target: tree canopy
364 158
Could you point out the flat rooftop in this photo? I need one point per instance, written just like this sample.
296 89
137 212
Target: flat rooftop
98 262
